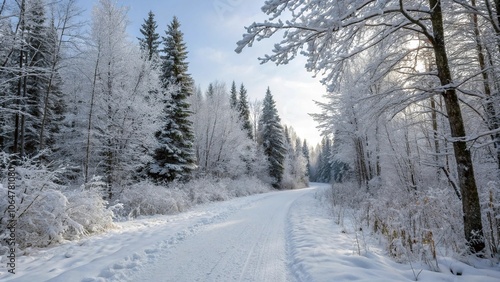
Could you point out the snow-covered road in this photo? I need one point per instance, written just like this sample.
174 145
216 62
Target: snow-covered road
249 245
243 239
277 236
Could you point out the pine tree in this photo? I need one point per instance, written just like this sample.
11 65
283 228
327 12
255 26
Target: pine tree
244 110
151 40
175 157
272 138
233 99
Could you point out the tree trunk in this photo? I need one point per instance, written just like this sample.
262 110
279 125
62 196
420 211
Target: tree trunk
470 200
17 121
491 114
89 125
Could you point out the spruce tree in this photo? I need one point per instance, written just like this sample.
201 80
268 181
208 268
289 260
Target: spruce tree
272 138
41 87
210 90
324 173
305 152
10 76
233 98
151 40
175 158
244 111
54 107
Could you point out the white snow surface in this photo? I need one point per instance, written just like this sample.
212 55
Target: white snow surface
277 236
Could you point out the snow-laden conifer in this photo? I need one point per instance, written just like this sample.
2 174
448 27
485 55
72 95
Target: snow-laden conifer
174 157
272 138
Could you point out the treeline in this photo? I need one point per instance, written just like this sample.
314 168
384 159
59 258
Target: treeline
94 122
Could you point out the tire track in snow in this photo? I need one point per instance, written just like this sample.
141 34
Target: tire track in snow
248 245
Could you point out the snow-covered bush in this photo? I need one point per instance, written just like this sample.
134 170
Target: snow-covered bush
205 190
413 225
146 198
247 185
209 189
47 212
419 221
87 213
288 182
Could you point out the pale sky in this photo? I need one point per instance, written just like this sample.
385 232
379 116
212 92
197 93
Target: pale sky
211 29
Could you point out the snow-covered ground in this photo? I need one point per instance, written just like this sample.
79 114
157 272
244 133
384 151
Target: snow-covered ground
278 236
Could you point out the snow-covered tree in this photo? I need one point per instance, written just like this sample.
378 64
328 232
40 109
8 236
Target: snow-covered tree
221 144
305 153
233 98
31 97
331 34
272 139
244 111
295 164
324 168
116 118
174 158
300 167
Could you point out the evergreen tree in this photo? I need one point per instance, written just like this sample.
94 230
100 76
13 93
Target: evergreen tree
210 90
324 165
36 53
288 141
54 106
43 104
244 111
151 40
175 157
301 167
8 82
233 99
272 138
340 170
305 153
174 64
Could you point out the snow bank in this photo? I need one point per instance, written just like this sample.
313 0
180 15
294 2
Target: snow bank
146 198
323 249
48 213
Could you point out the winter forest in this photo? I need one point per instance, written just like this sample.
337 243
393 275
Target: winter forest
413 109
97 127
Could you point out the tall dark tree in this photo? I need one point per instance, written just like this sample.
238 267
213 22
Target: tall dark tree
31 99
244 110
54 107
271 137
305 153
151 39
210 90
233 98
41 105
324 170
175 157
9 103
